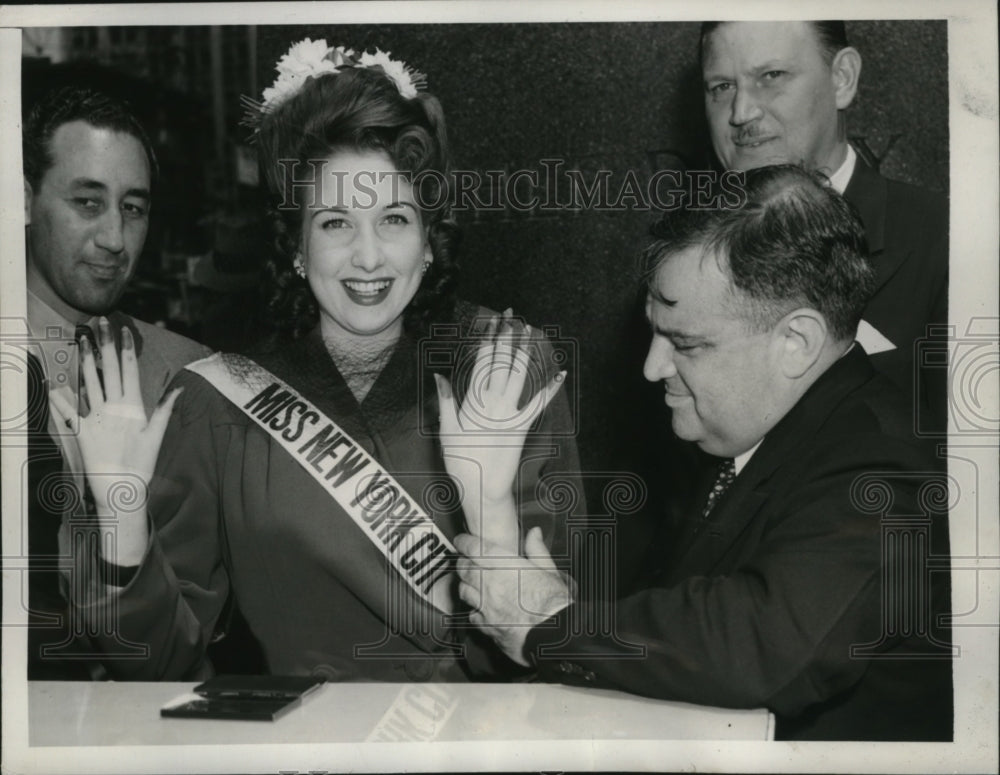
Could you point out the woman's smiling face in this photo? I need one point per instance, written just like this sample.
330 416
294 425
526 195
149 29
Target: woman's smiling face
363 247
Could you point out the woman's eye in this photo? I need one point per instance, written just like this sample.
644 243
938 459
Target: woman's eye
334 223
396 219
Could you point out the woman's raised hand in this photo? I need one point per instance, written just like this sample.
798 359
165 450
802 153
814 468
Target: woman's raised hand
482 440
118 444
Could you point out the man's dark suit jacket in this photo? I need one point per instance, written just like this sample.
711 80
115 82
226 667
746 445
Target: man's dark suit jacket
907 231
761 603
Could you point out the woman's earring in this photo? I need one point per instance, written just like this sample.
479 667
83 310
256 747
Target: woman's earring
426 266
300 266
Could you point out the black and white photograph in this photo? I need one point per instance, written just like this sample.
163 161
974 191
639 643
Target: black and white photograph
500 386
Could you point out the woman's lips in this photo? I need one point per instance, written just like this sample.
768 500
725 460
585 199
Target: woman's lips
367 292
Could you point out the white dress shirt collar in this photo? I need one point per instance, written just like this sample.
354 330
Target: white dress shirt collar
842 176
44 322
740 461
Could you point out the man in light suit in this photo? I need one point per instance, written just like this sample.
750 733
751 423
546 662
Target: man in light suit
778 92
89 170
771 592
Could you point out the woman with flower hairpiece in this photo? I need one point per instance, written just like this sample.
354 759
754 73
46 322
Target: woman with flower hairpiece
317 481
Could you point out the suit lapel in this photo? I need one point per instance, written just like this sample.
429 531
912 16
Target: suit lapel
153 372
711 539
117 321
869 193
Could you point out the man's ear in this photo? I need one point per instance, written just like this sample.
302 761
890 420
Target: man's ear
845 69
802 334
28 196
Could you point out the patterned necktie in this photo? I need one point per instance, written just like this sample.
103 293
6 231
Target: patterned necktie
83 331
725 477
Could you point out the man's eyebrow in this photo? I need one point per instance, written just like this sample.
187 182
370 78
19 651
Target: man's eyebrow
776 63
771 64
89 184
675 335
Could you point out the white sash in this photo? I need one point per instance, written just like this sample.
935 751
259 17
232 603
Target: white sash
370 495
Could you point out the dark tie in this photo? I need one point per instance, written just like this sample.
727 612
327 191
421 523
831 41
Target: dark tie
725 477
85 332
81 332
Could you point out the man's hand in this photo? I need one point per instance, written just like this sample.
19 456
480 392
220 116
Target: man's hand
512 594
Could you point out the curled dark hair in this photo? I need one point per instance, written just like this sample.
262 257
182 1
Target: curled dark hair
831 36
72 103
356 109
794 242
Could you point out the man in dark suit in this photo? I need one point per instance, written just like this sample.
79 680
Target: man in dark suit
773 591
777 92
89 170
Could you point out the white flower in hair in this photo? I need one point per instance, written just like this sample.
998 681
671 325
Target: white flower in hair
341 56
406 80
305 59
311 58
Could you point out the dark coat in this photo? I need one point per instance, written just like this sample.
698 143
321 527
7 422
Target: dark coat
762 603
907 232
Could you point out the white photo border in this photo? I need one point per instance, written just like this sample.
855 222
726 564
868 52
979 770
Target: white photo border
975 278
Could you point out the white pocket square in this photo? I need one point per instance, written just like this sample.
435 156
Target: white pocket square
872 339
